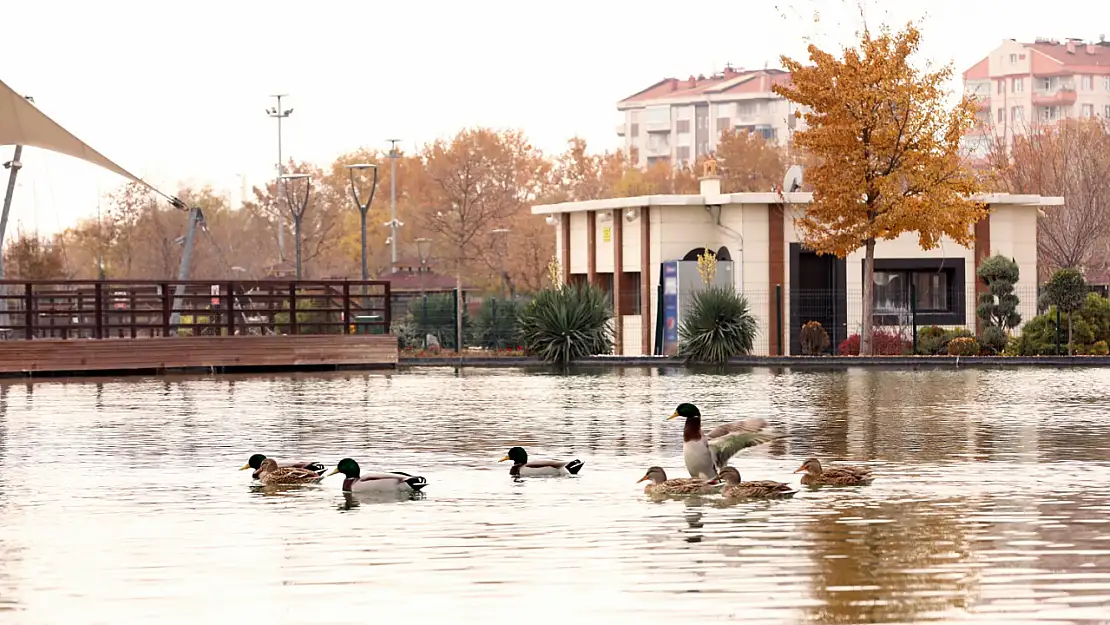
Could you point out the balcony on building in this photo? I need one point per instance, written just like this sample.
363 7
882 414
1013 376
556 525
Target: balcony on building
1057 95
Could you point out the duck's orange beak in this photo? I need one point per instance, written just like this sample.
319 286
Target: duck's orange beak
800 469
641 479
245 467
674 415
504 459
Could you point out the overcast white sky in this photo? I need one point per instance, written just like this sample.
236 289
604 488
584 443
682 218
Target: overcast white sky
176 92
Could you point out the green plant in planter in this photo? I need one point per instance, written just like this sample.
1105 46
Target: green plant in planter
963 346
813 338
994 339
719 324
1066 290
567 322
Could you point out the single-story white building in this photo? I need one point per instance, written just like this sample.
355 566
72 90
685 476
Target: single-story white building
655 240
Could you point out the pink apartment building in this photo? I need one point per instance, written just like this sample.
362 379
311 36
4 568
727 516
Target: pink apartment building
1023 84
678 120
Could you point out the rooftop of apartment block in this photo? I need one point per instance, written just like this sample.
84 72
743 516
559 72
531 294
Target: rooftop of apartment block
1056 57
729 81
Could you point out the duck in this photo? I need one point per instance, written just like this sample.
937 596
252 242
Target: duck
378 481
660 485
757 489
270 474
706 454
540 468
255 462
816 475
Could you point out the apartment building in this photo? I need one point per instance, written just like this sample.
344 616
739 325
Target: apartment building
678 120
1020 85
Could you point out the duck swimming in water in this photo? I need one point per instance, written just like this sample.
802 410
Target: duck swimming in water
269 474
540 468
255 462
660 485
706 454
816 475
756 489
379 481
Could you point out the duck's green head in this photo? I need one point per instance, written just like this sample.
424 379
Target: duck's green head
347 467
254 462
517 455
689 411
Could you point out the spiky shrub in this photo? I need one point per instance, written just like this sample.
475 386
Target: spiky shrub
718 326
813 338
567 322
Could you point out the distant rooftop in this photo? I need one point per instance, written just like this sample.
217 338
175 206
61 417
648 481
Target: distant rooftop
729 81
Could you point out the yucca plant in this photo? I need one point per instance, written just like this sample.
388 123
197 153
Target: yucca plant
567 322
718 326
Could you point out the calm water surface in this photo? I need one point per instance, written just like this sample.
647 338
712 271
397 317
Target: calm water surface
121 502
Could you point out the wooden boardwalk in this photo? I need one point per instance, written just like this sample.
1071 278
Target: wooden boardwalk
83 327
208 353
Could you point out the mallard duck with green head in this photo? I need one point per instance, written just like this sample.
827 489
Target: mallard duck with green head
522 467
255 462
660 485
270 474
735 488
706 454
816 475
377 481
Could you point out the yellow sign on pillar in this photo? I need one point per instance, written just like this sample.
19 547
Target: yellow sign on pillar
607 234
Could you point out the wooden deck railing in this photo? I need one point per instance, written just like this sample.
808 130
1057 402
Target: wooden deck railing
103 309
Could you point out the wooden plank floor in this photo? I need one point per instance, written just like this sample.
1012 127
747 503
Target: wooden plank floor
223 353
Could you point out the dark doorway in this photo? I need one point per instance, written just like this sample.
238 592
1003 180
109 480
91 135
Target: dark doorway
818 292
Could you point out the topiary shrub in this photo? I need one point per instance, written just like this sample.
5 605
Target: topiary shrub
993 340
1099 348
884 343
930 340
718 326
963 346
567 322
813 338
1089 324
998 306
1066 290
497 324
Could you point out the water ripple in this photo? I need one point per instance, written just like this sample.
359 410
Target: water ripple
120 500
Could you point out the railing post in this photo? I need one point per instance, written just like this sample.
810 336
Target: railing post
230 305
167 308
292 308
98 310
913 314
29 311
347 306
131 306
778 319
387 314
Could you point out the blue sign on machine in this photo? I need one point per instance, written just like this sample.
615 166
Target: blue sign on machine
670 307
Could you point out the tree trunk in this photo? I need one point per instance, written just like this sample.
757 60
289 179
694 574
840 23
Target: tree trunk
866 328
1071 347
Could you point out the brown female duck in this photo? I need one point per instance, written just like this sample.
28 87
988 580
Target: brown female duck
757 489
269 473
816 475
660 485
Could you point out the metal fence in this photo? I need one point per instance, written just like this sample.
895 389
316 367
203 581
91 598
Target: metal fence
429 321
103 309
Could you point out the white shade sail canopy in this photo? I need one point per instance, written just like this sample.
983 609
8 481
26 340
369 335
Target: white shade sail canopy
21 123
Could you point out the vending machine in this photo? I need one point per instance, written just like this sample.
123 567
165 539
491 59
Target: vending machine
679 280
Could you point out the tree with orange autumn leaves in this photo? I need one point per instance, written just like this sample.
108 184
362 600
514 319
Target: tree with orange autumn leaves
456 192
887 152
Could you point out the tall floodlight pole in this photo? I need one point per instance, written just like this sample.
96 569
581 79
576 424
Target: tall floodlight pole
297 209
502 235
280 114
196 219
363 208
393 223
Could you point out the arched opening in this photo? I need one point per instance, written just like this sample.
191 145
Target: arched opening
723 254
699 251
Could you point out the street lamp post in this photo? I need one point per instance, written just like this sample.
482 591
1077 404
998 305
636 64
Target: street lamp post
393 223
279 113
298 213
363 208
502 234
